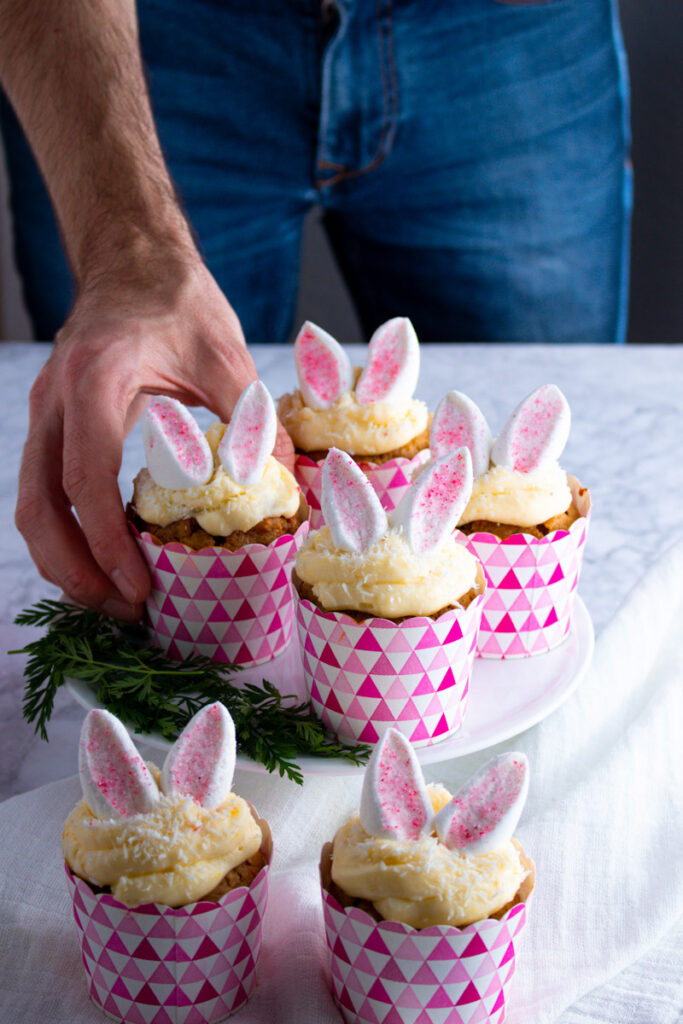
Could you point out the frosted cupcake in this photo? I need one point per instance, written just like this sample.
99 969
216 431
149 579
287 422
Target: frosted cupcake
160 864
218 520
223 489
418 871
369 413
389 607
526 519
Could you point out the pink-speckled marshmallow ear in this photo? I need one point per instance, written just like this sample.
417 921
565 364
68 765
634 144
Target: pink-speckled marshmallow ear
394 800
484 813
249 438
177 453
392 365
536 432
459 423
116 782
322 366
430 509
201 762
349 504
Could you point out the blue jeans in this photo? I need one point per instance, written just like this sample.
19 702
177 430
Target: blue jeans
470 158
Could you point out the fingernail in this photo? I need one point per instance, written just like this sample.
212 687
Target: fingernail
124 585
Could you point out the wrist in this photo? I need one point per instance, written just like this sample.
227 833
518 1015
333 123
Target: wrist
135 249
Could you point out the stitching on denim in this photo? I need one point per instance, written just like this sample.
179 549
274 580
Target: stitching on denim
389 100
627 180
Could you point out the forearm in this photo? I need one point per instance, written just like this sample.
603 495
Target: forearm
73 72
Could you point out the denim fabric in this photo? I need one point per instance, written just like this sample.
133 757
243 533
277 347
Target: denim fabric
471 159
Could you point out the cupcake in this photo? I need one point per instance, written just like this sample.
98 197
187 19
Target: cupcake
424 894
369 413
218 520
526 519
388 607
168 873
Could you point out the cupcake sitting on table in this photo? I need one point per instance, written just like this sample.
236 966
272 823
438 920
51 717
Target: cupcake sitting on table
159 860
418 867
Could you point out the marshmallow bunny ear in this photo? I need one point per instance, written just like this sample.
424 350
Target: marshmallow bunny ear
249 438
457 423
433 504
536 432
178 454
201 762
322 366
393 364
349 504
115 780
394 801
484 813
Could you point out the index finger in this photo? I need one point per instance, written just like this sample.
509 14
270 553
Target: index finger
53 536
93 441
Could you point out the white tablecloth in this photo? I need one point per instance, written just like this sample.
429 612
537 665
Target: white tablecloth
603 819
603 824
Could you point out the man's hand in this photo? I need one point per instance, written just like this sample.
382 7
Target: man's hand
149 317
166 329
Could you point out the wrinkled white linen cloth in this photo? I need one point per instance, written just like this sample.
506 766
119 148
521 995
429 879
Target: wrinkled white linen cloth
604 824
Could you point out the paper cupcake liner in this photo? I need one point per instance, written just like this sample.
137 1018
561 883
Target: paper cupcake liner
390 480
531 585
365 677
232 606
384 972
163 965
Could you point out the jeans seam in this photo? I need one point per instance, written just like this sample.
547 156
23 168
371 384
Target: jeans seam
389 101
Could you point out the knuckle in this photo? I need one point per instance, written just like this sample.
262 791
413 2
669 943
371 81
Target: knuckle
75 582
38 395
27 513
75 481
104 549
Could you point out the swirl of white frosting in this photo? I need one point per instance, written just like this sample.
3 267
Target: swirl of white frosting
357 429
173 854
220 506
387 579
519 499
421 882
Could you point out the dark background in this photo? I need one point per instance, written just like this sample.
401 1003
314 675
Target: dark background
653 34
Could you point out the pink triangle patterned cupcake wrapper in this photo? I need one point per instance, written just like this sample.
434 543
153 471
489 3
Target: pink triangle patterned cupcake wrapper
162 965
385 972
230 606
390 481
364 677
531 585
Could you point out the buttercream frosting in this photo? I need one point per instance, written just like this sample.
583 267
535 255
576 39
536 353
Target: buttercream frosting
357 429
518 499
387 579
222 505
174 854
421 882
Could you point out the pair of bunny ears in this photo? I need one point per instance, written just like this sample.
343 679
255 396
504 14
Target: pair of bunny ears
535 433
428 512
325 372
179 456
117 783
481 816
